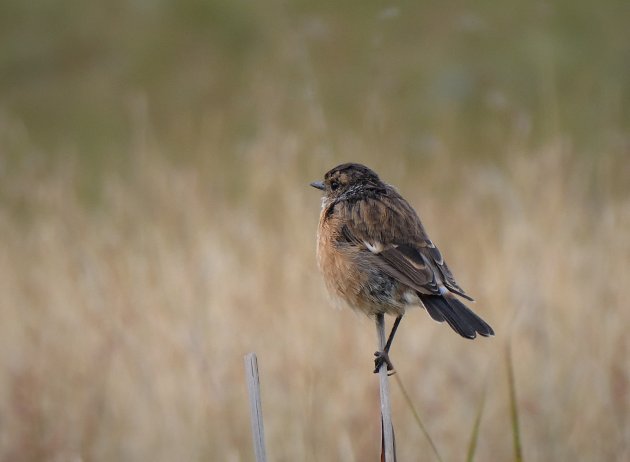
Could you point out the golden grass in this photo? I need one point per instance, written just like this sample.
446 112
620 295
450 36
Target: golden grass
123 323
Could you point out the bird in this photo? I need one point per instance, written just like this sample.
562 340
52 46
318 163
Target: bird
376 256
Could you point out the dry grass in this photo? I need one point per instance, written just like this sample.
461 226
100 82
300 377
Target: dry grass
156 225
123 324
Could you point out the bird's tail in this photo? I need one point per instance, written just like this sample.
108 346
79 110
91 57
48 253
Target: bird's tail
462 320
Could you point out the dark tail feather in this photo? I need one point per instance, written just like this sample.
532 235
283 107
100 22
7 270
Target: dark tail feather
433 308
461 319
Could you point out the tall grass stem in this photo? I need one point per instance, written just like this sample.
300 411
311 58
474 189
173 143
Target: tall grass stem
416 416
516 433
386 408
474 437
255 404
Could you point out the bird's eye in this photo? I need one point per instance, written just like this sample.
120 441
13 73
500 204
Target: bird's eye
334 185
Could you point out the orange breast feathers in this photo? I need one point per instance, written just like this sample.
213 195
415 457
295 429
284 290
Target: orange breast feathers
343 279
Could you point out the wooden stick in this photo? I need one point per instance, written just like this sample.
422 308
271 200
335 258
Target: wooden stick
386 410
255 406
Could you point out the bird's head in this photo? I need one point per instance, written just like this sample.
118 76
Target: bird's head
346 180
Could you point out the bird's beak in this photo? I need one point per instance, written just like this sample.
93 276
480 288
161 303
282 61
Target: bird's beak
318 185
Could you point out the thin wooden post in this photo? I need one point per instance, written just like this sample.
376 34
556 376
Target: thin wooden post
386 409
255 406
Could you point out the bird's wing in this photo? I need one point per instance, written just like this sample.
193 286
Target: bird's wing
391 234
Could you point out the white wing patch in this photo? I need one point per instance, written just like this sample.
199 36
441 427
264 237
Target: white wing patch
376 248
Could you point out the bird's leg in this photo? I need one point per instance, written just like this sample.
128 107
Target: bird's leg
382 357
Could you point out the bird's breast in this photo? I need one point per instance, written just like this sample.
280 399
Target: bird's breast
346 275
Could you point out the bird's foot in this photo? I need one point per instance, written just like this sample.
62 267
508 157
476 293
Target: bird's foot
382 357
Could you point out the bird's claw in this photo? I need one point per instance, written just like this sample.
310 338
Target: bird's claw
381 357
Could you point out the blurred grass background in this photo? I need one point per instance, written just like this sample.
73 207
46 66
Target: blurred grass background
156 224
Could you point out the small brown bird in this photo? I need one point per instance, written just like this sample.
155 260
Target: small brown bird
376 256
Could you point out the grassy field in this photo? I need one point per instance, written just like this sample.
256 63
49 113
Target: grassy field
156 224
